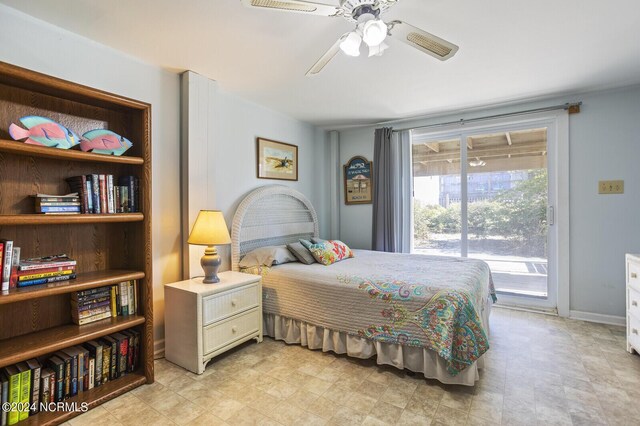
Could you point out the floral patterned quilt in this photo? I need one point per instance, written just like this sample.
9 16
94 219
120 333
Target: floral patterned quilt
428 301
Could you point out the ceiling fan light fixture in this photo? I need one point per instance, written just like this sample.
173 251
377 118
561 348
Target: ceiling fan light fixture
351 44
374 32
378 50
477 163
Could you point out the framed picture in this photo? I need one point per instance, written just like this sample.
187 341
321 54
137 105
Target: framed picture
358 182
277 160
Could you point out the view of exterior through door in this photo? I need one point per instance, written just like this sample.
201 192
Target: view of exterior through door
499 216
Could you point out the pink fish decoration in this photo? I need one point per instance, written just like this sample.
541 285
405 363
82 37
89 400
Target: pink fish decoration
44 132
102 141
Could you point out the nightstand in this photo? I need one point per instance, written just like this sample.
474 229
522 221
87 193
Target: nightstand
633 303
205 320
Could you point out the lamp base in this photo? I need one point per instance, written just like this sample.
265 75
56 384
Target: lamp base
210 262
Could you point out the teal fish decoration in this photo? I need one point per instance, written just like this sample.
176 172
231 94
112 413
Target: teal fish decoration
44 132
102 141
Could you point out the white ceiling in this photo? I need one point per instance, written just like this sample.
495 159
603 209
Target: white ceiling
509 50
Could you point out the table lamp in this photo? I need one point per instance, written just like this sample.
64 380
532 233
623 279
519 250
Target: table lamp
209 230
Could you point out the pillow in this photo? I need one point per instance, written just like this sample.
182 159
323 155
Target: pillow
318 240
267 256
329 252
256 270
301 253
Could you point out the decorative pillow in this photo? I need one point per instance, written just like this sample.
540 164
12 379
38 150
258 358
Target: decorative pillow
256 270
329 252
301 253
318 240
267 256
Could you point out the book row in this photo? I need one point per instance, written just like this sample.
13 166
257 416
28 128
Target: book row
15 272
104 302
66 373
95 193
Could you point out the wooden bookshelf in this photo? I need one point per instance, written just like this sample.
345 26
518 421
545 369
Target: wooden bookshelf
109 248
60 219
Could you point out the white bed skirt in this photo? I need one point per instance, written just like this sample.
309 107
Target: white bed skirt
419 360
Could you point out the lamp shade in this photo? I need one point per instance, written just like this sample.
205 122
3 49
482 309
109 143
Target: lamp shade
210 229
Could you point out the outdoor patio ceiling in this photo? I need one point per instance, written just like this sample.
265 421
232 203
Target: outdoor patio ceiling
517 150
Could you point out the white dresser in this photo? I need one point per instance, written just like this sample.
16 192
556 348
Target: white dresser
633 302
205 320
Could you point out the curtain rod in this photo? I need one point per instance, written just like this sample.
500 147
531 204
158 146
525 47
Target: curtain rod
572 107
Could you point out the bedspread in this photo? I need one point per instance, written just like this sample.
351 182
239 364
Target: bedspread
414 300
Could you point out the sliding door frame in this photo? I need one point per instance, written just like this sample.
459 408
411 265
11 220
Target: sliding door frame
557 124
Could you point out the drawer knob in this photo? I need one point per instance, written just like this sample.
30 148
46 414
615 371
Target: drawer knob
233 302
634 331
634 275
634 303
234 329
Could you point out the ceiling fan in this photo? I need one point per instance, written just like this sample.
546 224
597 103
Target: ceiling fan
370 29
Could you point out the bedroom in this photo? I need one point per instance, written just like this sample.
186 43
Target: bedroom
250 82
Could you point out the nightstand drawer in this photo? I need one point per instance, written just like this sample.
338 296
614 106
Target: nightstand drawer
223 305
634 332
221 334
634 274
634 303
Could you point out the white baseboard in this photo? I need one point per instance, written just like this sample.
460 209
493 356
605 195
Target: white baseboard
158 349
599 318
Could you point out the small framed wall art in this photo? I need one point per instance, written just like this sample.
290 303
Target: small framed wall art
277 160
358 182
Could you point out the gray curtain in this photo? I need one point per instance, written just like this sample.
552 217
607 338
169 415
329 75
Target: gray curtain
392 186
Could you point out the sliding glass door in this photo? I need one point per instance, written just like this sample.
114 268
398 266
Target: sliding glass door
485 193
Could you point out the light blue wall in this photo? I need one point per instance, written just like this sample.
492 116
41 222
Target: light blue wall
604 144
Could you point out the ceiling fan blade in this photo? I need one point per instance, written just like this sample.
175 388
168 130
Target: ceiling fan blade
297 6
326 58
422 40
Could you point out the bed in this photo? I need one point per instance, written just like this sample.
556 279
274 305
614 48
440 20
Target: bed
427 314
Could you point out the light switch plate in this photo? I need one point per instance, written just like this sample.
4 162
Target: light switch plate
611 187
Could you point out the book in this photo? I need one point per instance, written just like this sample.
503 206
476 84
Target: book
106 361
2 288
103 193
134 348
124 298
86 313
46 387
35 276
34 399
25 389
95 191
4 398
114 296
6 263
91 294
92 318
110 199
92 372
67 373
74 368
95 352
122 357
15 263
89 189
45 270
132 299
58 260
13 377
113 366
46 280
58 366
89 304
53 197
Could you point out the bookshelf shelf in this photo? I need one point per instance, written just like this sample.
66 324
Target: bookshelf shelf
108 248
66 219
44 342
84 281
20 148
93 397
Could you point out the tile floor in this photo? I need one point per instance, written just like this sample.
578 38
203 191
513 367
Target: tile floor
540 370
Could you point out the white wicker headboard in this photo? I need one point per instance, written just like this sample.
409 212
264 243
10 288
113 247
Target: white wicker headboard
268 216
